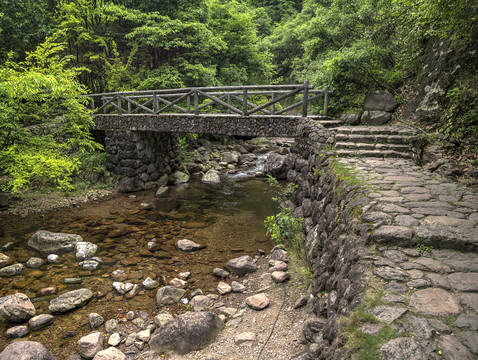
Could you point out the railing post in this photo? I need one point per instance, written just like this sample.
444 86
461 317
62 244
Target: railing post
120 110
326 100
155 103
273 109
306 98
196 103
244 102
188 104
229 103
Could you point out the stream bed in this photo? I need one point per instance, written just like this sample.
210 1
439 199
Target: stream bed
227 218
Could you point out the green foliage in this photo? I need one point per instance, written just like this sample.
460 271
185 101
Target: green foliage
285 227
185 141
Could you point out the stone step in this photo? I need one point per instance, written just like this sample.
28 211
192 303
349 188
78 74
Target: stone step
379 130
373 154
366 146
331 123
371 138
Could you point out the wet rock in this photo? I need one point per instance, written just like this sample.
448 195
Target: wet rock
89 265
211 177
17 308
70 300
114 339
403 348
188 245
112 326
95 320
279 255
4 260
111 353
187 332
242 265
453 349
220 273
180 177
17 332
40 322
223 288
163 191
280 276
150 284
72 281
277 166
26 350
119 275
434 301
169 295
90 345
122 288
34 263
237 287
50 242
258 302
162 318
53 258
11 270
245 339
133 292
85 250
387 313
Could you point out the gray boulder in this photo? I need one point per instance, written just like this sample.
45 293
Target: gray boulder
26 350
242 265
169 295
380 100
211 177
34 263
41 321
375 117
70 300
277 166
350 119
85 250
17 308
4 259
111 353
129 185
187 332
90 345
180 177
50 242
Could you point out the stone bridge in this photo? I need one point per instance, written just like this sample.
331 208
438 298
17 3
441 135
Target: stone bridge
141 137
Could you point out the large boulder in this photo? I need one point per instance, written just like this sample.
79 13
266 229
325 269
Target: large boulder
50 242
242 265
70 300
26 350
375 117
211 177
129 185
350 119
277 166
380 101
169 295
17 308
187 332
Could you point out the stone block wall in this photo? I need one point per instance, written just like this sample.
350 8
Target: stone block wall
140 158
334 239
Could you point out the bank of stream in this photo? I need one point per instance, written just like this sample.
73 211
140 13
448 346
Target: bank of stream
227 218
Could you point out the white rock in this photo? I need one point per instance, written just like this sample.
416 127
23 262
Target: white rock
223 288
85 249
149 283
114 339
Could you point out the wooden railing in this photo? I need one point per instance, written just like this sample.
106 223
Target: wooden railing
234 99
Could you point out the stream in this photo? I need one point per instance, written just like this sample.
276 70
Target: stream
227 218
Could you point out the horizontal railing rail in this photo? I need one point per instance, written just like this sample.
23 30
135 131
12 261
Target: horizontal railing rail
240 100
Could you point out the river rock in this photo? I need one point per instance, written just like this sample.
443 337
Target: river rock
180 284
11 270
50 242
4 260
119 275
89 265
169 295
258 302
237 287
90 345
231 157
85 250
96 320
111 326
53 258
280 276
133 292
163 191
201 303
187 332
223 288
242 265
114 340
150 284
41 321
220 273
122 288
17 332
276 166
26 350
162 318
111 353
17 308
188 245
70 300
34 263
180 177
211 177
279 255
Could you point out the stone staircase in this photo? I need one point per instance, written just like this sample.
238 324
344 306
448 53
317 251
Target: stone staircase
373 141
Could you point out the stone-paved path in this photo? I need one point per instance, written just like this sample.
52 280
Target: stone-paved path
425 229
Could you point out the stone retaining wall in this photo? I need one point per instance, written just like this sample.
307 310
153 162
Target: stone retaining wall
334 238
141 158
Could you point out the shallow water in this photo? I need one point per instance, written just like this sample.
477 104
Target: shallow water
227 218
